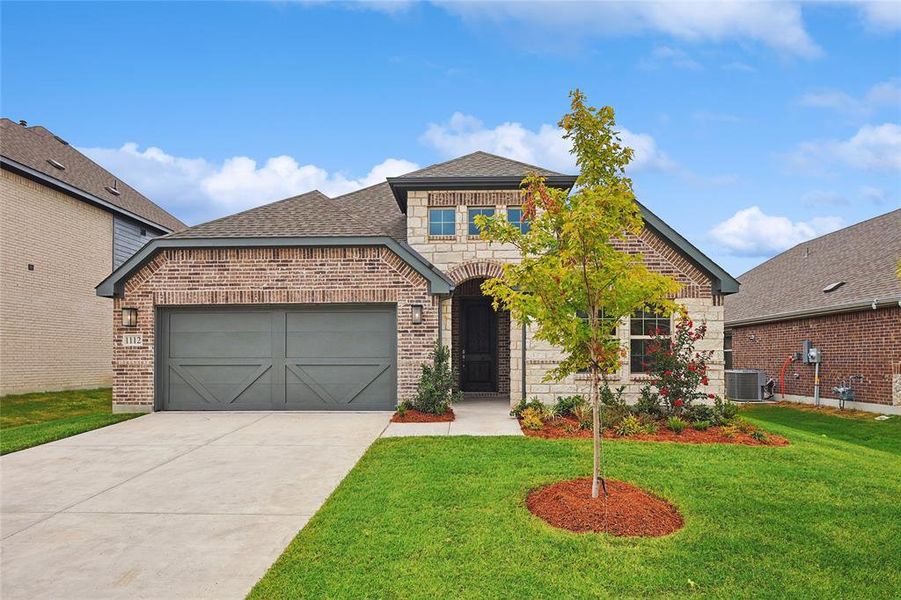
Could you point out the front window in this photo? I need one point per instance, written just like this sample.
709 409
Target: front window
473 213
441 221
514 216
643 326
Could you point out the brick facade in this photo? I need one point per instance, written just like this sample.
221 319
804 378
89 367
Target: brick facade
865 343
55 333
288 275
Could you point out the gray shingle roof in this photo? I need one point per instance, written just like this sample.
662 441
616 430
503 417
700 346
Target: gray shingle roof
33 146
479 164
376 205
312 214
863 256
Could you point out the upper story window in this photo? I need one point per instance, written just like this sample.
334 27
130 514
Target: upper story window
643 326
441 221
514 215
473 213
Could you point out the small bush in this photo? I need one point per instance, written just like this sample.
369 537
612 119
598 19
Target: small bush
650 428
524 404
611 416
629 426
676 424
532 418
566 405
435 390
724 411
648 403
759 435
743 426
613 398
729 431
584 415
701 425
401 408
700 412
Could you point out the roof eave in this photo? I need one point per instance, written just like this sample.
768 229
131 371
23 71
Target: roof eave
401 185
822 311
71 190
114 284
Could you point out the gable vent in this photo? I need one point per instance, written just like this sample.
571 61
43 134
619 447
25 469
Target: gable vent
114 190
833 286
56 164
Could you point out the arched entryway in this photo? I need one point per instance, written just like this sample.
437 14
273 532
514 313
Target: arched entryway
480 342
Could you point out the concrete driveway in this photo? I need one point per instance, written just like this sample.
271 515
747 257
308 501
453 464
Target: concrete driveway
170 505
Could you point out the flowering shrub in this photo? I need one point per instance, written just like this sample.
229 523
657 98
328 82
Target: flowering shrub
677 370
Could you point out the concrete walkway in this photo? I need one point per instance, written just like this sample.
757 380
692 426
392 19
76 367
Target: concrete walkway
474 417
169 505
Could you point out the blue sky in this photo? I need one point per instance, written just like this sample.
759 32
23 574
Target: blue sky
756 125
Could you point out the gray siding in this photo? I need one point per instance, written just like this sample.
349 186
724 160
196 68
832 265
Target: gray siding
127 239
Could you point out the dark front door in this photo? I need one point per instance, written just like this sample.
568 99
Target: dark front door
479 347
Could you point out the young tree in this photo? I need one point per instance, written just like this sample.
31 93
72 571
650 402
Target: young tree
574 282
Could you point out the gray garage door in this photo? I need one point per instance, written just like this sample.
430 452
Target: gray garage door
269 358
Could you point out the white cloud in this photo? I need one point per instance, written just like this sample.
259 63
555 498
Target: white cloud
663 56
887 93
882 15
545 146
739 66
196 189
751 232
874 194
872 148
822 197
777 25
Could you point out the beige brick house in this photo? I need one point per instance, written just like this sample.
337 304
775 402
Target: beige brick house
65 223
333 304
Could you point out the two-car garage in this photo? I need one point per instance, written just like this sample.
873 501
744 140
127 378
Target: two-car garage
311 357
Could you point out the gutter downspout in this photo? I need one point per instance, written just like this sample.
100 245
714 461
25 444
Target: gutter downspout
440 323
523 361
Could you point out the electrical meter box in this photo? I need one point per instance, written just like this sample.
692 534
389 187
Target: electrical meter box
813 355
809 354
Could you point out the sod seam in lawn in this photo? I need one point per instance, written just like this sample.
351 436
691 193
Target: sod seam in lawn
445 517
28 420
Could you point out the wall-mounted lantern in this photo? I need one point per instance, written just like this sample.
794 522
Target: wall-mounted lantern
416 313
129 317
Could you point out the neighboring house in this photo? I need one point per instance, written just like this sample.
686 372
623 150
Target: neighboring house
842 293
319 303
65 222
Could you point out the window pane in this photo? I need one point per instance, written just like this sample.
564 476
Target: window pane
441 221
514 215
638 362
488 212
647 323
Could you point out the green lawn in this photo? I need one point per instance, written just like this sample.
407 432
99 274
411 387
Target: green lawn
444 518
28 420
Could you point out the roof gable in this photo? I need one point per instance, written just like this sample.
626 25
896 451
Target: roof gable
29 150
478 164
863 256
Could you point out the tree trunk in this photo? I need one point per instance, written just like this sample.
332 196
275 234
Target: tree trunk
596 431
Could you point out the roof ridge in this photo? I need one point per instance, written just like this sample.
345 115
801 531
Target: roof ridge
478 153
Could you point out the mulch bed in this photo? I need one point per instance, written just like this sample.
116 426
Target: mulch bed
626 510
414 416
568 427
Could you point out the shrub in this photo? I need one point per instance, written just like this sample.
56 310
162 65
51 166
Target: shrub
729 431
678 370
651 427
724 411
629 426
566 405
532 418
759 435
700 412
743 426
401 408
435 390
648 403
610 397
611 416
524 404
701 425
584 414
676 424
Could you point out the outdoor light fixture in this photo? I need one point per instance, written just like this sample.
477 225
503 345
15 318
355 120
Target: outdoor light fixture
416 313
129 317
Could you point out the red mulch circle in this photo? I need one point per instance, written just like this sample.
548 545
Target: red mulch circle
414 416
568 427
626 510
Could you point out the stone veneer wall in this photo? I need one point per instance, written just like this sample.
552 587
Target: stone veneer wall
294 275
465 257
